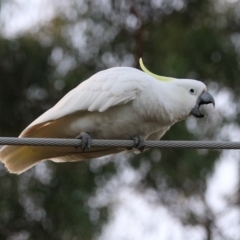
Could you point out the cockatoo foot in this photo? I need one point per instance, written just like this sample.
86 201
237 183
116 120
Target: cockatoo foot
86 140
139 143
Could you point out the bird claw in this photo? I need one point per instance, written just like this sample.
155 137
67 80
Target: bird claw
139 143
86 141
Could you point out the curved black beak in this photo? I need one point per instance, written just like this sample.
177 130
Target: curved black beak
204 98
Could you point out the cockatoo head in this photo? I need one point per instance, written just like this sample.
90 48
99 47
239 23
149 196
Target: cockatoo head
185 95
191 94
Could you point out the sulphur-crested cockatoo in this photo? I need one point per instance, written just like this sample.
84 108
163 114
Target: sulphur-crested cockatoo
118 103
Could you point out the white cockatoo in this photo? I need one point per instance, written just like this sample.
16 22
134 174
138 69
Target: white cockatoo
117 103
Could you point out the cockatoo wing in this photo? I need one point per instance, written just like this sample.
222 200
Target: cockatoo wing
103 90
106 89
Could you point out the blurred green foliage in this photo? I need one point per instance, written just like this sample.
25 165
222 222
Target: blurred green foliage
37 69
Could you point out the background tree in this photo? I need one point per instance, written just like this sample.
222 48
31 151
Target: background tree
195 39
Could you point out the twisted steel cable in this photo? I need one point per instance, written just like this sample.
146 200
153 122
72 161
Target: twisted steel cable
64 142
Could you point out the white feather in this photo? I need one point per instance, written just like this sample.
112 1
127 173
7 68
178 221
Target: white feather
103 90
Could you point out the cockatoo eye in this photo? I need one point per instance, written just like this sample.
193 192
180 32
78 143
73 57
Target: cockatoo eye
191 90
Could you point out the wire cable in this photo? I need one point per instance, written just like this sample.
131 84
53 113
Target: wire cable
66 142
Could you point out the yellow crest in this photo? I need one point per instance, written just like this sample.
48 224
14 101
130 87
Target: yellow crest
160 78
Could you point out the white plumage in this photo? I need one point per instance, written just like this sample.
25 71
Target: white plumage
118 103
103 90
